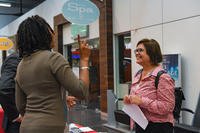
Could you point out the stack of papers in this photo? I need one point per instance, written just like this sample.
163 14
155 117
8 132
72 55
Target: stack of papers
136 114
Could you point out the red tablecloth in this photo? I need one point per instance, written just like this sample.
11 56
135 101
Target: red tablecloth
1 120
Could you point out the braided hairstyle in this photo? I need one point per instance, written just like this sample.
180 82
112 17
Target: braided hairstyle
33 34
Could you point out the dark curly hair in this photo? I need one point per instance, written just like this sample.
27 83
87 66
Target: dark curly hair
33 34
153 50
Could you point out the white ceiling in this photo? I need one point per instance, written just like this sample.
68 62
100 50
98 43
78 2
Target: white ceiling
19 7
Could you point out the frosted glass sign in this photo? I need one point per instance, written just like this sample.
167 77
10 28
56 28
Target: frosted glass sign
82 12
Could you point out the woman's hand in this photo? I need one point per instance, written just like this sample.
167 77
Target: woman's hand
126 99
84 49
132 99
84 59
71 101
18 119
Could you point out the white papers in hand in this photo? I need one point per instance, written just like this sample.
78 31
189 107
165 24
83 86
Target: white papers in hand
136 114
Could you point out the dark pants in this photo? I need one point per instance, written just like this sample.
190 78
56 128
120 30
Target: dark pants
156 128
12 127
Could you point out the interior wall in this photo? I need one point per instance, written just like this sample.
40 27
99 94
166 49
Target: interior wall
121 15
175 25
185 40
48 9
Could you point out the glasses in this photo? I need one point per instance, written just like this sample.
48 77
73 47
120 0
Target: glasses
139 50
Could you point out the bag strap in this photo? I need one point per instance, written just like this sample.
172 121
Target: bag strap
158 76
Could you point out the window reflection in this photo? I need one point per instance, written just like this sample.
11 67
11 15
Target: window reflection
124 58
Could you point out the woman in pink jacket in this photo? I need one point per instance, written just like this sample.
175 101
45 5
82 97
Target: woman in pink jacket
156 104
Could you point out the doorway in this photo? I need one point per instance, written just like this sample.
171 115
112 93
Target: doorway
123 65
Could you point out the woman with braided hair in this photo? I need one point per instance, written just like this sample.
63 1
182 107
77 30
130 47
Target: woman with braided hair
42 74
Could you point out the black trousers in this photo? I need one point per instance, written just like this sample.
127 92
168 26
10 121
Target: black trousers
153 127
12 127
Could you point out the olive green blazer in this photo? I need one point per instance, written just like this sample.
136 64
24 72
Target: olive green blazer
39 99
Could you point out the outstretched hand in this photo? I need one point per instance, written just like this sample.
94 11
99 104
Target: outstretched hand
84 49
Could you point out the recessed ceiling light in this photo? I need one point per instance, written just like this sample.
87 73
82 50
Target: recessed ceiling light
5 4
